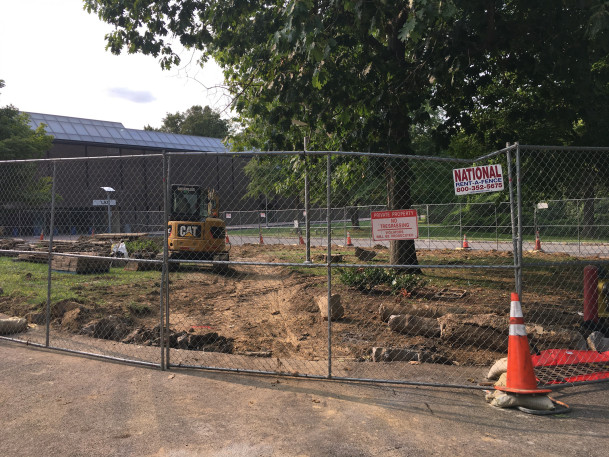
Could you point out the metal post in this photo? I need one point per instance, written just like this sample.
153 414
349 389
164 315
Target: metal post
427 220
345 217
50 258
519 199
460 222
307 202
329 262
163 267
496 228
109 214
166 207
512 216
579 245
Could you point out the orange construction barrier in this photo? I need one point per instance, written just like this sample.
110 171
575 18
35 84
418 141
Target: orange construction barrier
349 243
227 241
261 239
300 239
41 235
520 375
537 242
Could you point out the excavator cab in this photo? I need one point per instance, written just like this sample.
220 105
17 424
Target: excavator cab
194 230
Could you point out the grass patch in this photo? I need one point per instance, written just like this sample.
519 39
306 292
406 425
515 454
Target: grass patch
28 282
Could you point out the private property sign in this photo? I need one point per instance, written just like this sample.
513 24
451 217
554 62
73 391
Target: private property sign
475 180
394 225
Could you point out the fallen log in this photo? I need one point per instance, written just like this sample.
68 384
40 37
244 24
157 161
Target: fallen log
414 325
485 331
418 309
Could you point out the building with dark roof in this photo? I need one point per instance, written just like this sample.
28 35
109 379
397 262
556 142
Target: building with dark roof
107 154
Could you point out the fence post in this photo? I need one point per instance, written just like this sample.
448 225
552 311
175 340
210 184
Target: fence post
329 261
512 215
579 244
460 223
164 269
427 220
496 228
50 257
519 199
307 203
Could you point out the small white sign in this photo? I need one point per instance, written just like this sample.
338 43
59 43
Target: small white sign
476 180
228 215
104 202
542 205
263 215
295 223
394 225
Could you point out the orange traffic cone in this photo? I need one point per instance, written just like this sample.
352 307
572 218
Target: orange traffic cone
537 243
227 241
41 235
261 239
465 243
349 243
520 375
300 239
92 232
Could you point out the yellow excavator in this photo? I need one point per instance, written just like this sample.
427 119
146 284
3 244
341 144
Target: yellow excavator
195 232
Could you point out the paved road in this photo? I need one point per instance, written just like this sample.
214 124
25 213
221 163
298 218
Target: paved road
57 404
573 249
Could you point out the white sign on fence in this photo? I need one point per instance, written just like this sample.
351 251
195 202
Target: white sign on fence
476 180
104 202
227 215
394 225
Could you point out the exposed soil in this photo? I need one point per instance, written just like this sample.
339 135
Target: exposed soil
271 310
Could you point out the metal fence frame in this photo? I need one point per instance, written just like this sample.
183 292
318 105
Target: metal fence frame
513 157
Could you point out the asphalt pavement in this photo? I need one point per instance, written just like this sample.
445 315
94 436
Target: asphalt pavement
59 404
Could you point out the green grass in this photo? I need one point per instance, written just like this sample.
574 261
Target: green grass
28 281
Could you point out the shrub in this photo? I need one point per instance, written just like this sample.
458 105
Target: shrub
366 279
143 246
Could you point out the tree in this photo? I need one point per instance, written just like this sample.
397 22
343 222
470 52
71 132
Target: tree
360 75
195 121
19 182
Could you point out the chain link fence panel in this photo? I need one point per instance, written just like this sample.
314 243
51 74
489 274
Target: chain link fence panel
289 263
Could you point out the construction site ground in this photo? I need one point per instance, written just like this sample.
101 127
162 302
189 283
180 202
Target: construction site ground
271 310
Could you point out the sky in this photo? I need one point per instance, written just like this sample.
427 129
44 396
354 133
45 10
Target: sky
53 61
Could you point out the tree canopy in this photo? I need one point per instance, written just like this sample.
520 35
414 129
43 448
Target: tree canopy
19 183
195 121
361 75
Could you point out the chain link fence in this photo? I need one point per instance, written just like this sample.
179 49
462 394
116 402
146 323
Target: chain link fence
234 261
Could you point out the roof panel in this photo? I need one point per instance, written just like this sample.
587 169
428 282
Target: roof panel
115 134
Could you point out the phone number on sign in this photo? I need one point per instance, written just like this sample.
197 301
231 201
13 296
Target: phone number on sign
477 187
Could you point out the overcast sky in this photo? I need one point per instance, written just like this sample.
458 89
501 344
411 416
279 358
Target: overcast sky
53 61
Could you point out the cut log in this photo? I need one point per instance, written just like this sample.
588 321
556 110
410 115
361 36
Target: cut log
418 309
12 325
542 338
485 331
364 255
414 325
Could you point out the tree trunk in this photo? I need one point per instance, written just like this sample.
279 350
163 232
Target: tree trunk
399 178
354 216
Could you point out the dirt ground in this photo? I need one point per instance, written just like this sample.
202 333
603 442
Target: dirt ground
272 310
